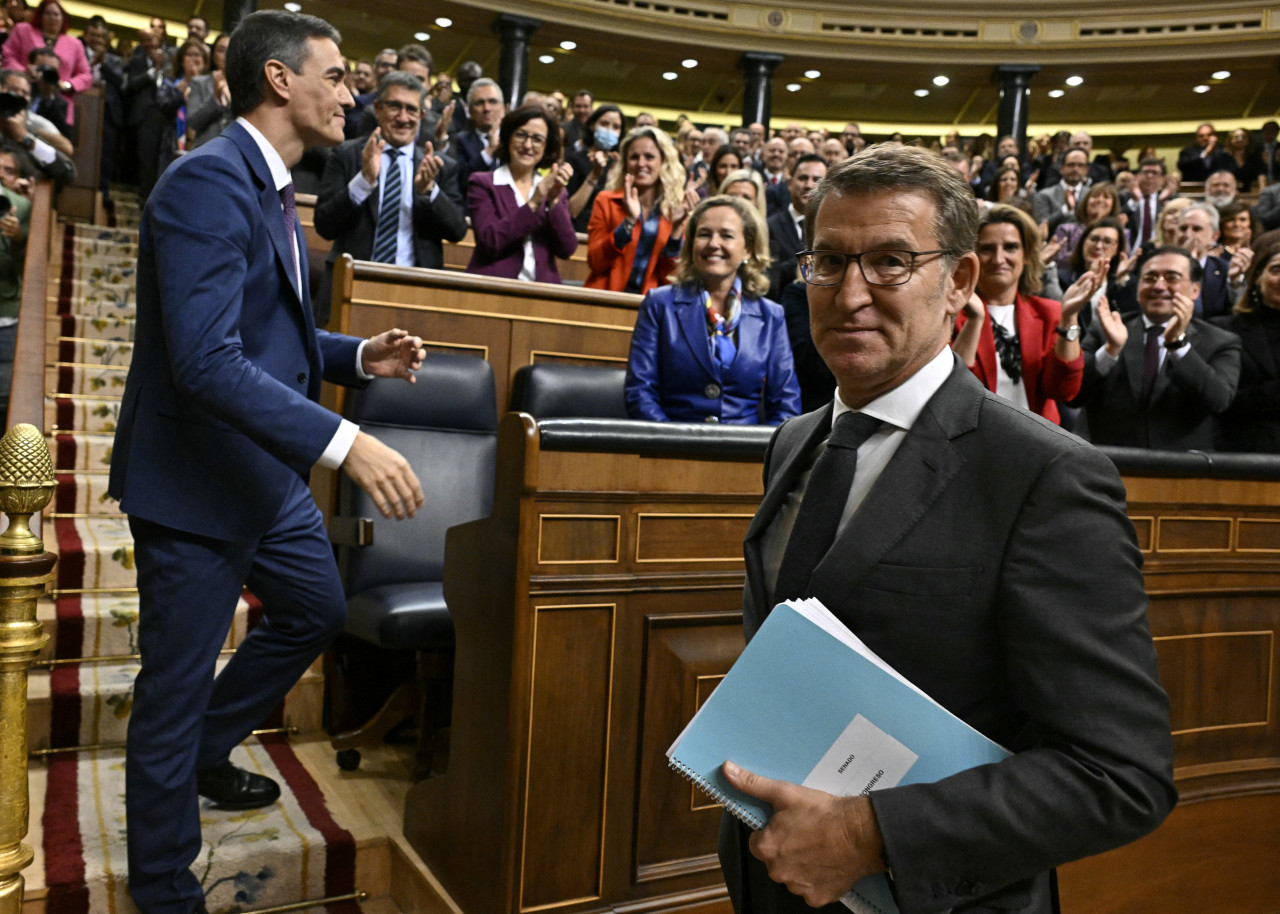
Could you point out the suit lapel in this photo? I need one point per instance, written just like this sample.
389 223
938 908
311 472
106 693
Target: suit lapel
272 207
692 318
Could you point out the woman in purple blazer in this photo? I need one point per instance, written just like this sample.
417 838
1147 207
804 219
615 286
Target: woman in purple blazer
521 222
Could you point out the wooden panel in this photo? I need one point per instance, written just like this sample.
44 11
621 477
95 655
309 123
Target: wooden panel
1218 856
690 538
686 655
1217 680
578 539
1143 527
1193 534
568 342
1258 535
563 836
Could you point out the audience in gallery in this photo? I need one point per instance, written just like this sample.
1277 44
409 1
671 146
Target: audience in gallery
634 212
1252 422
710 347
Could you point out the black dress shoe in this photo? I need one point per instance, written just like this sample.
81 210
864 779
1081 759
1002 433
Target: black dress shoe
234 788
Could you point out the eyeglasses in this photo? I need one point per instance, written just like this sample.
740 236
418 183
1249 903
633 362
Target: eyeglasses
533 139
397 108
1170 278
879 268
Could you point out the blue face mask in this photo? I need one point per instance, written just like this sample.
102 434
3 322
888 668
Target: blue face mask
606 139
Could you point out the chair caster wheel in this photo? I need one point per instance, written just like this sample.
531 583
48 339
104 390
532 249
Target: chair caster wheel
348 759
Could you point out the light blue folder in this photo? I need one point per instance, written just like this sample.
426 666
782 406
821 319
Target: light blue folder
803 684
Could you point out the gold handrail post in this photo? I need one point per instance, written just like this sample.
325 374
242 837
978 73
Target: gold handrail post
26 569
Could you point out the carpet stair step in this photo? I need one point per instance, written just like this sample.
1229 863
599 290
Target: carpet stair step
81 452
81 413
118 327
82 351
88 704
84 494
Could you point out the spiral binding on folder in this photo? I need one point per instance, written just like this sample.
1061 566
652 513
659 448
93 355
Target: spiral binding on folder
742 813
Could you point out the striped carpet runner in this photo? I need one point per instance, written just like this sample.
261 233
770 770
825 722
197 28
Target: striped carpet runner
290 851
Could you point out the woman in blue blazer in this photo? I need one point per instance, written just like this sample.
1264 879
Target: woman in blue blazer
711 348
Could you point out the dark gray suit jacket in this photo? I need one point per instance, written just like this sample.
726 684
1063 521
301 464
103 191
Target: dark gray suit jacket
993 565
351 227
1188 393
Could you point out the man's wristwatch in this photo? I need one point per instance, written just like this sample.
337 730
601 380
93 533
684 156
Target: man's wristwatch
28 142
1071 334
1177 344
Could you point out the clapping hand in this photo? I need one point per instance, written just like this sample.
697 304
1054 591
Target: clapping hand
371 156
1079 292
1113 328
555 181
425 178
1239 264
631 199
1184 307
1052 248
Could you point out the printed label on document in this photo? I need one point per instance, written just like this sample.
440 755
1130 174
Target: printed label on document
862 759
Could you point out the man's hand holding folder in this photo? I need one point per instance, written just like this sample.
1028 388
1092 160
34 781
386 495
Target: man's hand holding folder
807 825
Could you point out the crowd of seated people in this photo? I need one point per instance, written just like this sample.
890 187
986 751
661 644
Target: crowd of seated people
532 178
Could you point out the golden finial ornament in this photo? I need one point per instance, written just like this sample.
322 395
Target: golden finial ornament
26 485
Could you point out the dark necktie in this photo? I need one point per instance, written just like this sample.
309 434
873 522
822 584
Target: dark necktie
1148 218
1009 351
823 505
1151 360
290 206
386 237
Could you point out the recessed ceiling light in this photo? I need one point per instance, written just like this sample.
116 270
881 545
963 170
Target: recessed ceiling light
293 7
1222 74
793 87
568 45
1201 89
1074 80
921 93
444 22
670 75
812 74
941 80
422 36
547 58
688 63
1056 93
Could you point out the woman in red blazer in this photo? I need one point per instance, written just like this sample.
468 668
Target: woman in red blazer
521 221
1022 347
637 225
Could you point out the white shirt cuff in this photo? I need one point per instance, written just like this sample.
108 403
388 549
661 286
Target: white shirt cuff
1103 361
42 152
339 447
488 159
358 189
360 372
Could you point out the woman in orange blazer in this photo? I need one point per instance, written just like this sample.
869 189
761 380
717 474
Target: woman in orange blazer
1020 346
637 225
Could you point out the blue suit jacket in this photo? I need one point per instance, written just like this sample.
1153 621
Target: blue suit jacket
220 406
671 376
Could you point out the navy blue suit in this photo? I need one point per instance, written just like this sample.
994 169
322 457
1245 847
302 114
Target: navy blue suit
468 148
218 430
671 376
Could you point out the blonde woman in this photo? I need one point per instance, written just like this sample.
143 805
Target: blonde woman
711 347
747 184
637 224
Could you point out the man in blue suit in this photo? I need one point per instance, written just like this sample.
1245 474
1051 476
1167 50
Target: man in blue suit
476 148
218 431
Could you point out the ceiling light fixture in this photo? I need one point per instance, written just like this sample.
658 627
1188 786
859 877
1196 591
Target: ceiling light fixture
793 87
1056 93
422 36
812 74
547 58
293 7
941 80
444 22
568 45
1222 74
1201 89
670 75
688 63
921 93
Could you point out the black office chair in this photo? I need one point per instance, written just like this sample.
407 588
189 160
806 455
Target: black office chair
549 390
446 426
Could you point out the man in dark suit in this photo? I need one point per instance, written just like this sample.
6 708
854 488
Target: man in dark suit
476 148
350 207
982 552
1061 199
108 72
1195 161
786 228
1158 378
144 122
1145 202
218 429
1221 279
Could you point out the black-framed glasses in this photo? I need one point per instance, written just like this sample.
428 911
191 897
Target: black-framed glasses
537 140
879 268
1170 278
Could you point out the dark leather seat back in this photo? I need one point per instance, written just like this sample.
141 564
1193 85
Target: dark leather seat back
446 426
553 391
